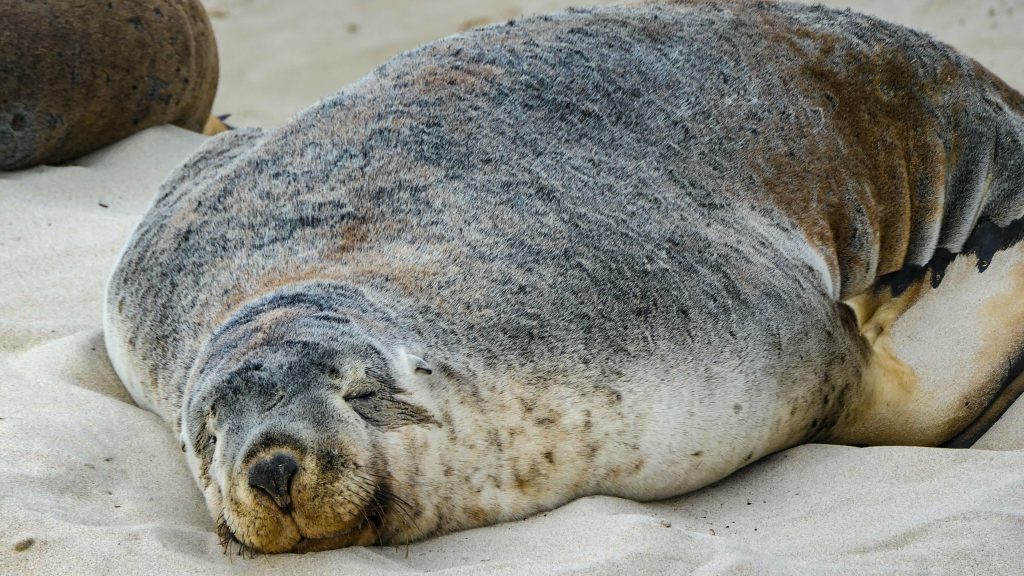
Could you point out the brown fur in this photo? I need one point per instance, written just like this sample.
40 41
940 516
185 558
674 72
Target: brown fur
76 76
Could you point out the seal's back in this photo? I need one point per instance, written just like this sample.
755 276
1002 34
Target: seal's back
699 182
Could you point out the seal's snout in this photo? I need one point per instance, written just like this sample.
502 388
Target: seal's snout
274 476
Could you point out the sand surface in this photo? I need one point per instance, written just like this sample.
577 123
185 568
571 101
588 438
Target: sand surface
91 484
279 57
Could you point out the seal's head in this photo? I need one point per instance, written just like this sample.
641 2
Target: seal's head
285 415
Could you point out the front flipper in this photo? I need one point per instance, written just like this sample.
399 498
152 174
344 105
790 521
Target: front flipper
944 362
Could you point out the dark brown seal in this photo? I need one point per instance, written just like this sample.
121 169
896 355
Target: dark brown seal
77 76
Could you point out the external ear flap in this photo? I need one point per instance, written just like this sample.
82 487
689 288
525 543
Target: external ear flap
418 365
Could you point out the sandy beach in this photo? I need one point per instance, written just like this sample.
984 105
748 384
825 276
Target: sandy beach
92 484
277 60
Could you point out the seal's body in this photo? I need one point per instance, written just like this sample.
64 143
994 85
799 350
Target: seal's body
76 76
614 251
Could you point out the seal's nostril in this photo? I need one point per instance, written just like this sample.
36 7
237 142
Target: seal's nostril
274 476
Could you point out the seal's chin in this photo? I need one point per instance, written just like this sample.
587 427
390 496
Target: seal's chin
363 533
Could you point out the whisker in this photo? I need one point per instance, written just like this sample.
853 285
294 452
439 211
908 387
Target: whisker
362 512
401 507
379 496
228 537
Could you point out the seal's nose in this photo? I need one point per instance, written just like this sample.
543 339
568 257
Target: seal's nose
274 476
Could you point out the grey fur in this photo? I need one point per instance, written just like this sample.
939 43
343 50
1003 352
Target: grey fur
584 222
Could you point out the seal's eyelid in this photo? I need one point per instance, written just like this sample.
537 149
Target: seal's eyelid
359 394
360 391
273 403
205 436
202 438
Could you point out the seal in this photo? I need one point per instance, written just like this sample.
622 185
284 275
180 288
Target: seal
620 251
77 76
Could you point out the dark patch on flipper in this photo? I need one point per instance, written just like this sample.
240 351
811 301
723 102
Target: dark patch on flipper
985 240
989 238
1009 390
940 261
900 280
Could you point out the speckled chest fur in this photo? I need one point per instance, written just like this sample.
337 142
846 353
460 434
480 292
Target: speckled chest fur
629 250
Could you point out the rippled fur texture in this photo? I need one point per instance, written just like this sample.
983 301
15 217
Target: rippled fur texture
597 252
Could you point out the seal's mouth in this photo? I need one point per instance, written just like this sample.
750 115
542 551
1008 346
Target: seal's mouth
364 533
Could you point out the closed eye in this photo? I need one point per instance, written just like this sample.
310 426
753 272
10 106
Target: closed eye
273 403
205 439
359 394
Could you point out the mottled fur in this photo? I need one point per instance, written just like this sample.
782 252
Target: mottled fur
602 251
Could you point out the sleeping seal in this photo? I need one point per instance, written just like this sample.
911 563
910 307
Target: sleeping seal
621 251
78 75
